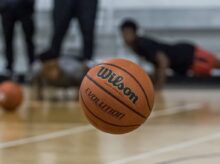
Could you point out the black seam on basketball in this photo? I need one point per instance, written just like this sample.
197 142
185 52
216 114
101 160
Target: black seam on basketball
88 109
145 94
110 94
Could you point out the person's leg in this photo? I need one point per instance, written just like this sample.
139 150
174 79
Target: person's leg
62 15
8 23
86 13
28 29
204 62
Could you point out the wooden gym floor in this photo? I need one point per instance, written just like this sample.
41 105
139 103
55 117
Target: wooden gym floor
183 129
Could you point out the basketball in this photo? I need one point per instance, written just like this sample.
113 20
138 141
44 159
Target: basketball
11 96
117 96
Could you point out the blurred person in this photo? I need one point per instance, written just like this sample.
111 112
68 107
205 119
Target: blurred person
64 11
13 11
59 72
183 58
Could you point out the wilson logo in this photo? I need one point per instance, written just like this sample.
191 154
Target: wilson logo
117 81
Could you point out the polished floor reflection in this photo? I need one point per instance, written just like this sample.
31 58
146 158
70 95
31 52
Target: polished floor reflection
184 128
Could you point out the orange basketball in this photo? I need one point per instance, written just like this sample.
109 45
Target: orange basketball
117 96
11 96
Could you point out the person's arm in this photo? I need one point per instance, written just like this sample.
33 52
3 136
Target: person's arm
162 63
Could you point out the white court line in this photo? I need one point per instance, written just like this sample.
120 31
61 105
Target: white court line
168 149
82 129
45 137
176 109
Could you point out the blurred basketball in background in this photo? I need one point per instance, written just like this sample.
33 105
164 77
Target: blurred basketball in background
11 96
117 96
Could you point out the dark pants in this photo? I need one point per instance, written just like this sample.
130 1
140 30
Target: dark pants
85 12
9 19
